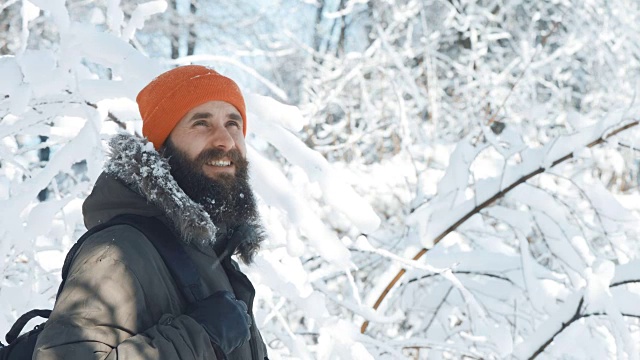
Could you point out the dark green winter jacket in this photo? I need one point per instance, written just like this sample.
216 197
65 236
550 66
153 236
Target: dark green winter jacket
120 301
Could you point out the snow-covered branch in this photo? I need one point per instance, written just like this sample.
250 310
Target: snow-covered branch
447 212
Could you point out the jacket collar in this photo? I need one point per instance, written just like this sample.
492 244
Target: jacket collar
135 167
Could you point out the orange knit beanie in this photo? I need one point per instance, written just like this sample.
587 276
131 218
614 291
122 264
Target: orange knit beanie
170 96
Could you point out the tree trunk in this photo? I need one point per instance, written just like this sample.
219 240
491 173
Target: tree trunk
343 31
192 37
175 30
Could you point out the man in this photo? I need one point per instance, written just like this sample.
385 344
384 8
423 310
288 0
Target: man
120 301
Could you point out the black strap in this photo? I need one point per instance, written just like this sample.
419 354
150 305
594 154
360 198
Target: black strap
74 249
17 327
172 251
179 263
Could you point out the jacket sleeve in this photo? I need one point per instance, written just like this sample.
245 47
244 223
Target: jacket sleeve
120 302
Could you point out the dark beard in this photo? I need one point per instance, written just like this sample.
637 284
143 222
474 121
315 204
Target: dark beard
228 199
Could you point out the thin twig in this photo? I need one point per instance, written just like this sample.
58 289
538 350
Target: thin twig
565 325
543 42
464 272
113 118
437 310
628 146
578 316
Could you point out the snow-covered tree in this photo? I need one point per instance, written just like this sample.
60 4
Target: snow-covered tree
439 178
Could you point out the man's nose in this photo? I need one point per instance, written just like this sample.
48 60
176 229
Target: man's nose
221 139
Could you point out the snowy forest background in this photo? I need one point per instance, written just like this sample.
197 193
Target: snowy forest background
499 135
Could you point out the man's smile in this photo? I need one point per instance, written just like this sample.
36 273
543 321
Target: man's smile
219 163
215 167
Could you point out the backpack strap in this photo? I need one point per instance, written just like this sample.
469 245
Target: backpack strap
179 263
175 257
68 260
17 327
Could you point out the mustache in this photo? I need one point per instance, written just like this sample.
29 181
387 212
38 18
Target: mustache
216 154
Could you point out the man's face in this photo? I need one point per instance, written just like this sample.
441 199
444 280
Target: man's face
207 156
206 153
211 136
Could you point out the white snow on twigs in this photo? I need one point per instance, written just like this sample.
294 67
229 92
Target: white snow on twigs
274 188
336 192
140 15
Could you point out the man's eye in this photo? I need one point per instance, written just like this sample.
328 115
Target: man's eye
200 123
233 123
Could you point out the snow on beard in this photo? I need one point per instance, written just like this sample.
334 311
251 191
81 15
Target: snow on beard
228 198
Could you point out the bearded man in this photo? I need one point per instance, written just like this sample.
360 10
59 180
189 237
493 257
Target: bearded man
120 300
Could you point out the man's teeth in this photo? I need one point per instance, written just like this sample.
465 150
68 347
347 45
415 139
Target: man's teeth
220 163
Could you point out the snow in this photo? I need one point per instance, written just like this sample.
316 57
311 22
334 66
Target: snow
30 11
598 299
549 328
140 15
185 60
115 16
57 10
39 71
275 112
340 195
10 74
363 153
84 42
275 190
626 272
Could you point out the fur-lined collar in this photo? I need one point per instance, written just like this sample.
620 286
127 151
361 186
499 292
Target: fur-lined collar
136 163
